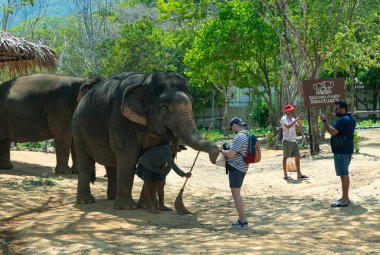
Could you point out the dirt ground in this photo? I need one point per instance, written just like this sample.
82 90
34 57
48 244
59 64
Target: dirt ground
285 217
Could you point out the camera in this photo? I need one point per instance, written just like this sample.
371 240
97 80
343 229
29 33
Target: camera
225 146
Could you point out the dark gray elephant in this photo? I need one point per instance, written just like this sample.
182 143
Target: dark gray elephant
39 107
124 116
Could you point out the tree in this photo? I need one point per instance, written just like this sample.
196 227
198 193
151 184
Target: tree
371 80
92 22
139 48
236 48
9 9
356 50
307 30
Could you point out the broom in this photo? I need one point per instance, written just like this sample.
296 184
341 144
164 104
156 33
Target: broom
178 204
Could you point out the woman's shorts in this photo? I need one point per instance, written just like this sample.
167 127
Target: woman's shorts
342 162
235 177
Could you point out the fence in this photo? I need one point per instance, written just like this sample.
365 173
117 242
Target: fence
205 116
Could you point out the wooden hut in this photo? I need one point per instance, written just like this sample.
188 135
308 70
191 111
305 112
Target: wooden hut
18 55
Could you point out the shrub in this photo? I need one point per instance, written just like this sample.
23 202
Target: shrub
260 113
356 142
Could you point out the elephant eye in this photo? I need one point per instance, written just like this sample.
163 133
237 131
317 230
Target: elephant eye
165 107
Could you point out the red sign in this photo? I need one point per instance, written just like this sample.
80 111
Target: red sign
322 91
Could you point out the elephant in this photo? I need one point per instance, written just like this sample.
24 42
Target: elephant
39 107
122 117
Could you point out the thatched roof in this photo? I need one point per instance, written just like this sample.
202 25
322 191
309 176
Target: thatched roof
17 54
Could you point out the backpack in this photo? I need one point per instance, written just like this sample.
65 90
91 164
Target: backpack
253 150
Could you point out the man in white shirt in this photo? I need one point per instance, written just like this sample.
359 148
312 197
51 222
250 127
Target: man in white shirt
289 125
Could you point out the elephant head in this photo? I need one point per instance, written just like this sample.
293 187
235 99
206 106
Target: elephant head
88 84
162 103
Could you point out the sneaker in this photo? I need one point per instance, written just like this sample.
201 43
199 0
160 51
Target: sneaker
239 224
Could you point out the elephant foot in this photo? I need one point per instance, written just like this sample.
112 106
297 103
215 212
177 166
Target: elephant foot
89 199
63 170
6 165
141 204
124 204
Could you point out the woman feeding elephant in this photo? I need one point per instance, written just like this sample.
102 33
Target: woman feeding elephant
124 116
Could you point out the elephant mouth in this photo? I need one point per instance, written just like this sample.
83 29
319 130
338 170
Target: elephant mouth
171 133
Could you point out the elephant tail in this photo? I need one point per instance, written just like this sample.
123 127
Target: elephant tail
93 176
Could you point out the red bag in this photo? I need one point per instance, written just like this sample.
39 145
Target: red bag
253 151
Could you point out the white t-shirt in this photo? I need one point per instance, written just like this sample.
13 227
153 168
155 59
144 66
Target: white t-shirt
289 134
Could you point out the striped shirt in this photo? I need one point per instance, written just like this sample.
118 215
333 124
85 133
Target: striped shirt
239 144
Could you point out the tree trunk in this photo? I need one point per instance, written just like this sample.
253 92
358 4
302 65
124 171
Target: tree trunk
227 99
314 131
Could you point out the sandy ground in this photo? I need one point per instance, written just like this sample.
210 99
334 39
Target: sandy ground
285 217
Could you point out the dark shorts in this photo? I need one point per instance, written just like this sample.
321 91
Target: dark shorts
235 176
147 175
342 162
290 149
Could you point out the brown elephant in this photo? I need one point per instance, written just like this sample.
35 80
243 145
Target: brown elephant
39 107
124 116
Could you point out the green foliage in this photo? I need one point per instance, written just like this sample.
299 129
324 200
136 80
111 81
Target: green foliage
367 123
128 3
34 146
236 48
139 48
271 137
260 112
356 142
33 183
227 46
213 135
185 11
260 131
218 135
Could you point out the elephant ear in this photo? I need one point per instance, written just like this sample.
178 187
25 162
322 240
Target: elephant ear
84 89
133 104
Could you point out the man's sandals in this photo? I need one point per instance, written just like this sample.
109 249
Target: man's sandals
301 177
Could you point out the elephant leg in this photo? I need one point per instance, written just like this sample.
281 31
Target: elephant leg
86 174
74 158
125 176
111 189
62 147
5 154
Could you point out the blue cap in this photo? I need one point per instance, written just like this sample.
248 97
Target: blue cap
237 121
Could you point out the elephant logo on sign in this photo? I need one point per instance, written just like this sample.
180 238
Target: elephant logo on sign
323 88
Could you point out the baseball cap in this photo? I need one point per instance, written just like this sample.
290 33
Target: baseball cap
289 107
237 121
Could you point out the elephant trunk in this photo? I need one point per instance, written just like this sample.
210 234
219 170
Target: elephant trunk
187 131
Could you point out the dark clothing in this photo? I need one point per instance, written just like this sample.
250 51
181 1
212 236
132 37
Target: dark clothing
235 177
346 128
147 175
159 161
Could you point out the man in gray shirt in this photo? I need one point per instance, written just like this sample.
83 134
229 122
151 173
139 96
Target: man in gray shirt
153 167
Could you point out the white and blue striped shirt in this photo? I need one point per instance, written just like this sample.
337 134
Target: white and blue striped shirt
240 145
